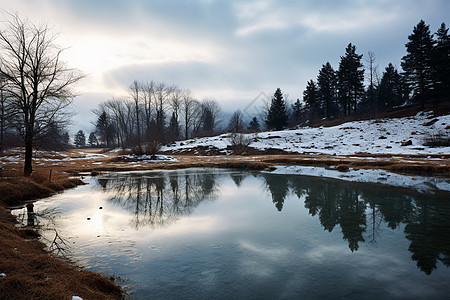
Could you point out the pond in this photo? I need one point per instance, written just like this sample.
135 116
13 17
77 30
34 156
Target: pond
230 234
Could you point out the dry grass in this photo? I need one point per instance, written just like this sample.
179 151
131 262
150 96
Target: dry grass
32 273
14 188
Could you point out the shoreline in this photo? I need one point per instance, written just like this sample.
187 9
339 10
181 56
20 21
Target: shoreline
29 270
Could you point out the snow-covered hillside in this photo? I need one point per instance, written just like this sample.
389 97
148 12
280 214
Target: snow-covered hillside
383 136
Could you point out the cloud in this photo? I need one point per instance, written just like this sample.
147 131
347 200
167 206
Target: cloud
230 49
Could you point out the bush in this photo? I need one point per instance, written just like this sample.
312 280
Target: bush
148 148
239 142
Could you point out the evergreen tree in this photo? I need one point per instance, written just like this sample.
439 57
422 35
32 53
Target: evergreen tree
207 122
417 63
326 85
277 118
253 126
350 79
174 128
92 140
392 90
52 137
80 139
105 129
368 103
160 121
441 64
210 117
297 112
310 97
66 138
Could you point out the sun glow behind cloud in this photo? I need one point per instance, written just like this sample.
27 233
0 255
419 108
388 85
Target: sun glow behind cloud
96 55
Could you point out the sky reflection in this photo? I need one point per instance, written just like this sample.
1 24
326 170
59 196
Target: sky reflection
232 234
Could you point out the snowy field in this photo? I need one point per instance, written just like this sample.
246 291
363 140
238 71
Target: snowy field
383 136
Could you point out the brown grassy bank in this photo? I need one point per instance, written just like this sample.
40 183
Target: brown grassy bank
32 272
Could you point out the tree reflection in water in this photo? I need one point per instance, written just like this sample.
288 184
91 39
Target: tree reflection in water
159 198
360 209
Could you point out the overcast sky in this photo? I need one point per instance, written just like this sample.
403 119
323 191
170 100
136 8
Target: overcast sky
223 49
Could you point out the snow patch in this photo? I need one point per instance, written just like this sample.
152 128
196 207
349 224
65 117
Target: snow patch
422 184
382 136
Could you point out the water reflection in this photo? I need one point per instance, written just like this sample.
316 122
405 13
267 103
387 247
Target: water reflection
160 198
362 212
359 210
31 217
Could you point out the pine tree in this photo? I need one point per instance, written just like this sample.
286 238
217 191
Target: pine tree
310 97
253 126
66 138
392 90
174 127
417 63
105 129
297 112
441 64
350 79
277 117
80 139
326 85
92 140
207 122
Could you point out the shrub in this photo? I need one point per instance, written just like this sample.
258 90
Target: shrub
239 142
148 148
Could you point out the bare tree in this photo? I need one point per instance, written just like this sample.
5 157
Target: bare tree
190 109
175 104
135 92
236 123
373 78
210 118
148 91
3 112
37 80
161 93
122 112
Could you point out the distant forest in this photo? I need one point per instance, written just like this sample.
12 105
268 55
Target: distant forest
155 113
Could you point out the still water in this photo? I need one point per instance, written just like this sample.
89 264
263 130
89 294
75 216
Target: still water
225 234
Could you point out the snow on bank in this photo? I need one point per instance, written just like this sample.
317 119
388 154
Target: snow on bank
148 158
382 136
422 184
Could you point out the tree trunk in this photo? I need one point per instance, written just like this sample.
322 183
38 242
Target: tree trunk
28 169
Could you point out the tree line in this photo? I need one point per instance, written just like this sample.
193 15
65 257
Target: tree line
154 113
425 78
36 90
